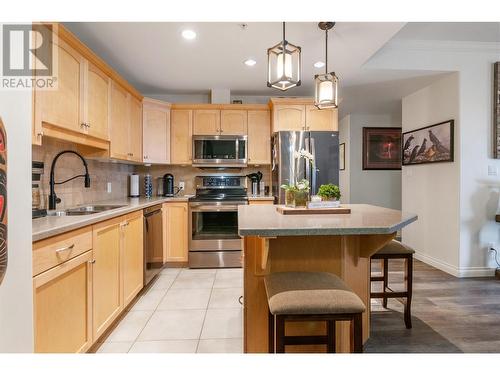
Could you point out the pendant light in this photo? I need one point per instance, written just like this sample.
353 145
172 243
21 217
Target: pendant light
283 65
326 85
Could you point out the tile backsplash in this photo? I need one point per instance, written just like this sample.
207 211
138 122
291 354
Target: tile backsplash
74 193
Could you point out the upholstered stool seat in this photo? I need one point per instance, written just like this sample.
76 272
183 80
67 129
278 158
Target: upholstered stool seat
395 250
311 296
310 293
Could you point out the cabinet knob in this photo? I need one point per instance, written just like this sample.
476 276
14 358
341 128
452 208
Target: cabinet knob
92 261
39 134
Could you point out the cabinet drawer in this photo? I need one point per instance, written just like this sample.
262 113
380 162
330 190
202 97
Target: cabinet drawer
52 251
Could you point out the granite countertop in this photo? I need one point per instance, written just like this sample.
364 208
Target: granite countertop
264 220
53 225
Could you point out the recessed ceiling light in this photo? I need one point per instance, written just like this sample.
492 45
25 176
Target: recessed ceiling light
319 64
188 34
250 62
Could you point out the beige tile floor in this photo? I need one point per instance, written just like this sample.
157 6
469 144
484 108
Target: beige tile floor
184 311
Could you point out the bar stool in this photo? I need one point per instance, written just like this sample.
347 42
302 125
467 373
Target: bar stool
395 250
311 296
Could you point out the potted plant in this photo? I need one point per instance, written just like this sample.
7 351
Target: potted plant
301 194
329 192
289 194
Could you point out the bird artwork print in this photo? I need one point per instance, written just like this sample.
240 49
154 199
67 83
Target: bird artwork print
429 144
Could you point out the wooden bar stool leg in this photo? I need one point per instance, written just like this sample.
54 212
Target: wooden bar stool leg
409 289
386 280
280 333
357 334
271 332
331 346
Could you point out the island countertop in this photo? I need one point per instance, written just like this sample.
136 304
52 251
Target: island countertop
264 220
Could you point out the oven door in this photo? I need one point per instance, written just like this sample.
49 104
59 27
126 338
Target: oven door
214 226
220 151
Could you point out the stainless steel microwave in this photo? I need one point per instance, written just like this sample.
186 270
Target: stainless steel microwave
220 151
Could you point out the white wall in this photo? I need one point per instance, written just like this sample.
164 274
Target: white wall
344 176
432 191
377 187
16 317
473 60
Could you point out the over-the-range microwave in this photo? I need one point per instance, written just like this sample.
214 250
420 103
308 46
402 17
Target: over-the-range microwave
220 151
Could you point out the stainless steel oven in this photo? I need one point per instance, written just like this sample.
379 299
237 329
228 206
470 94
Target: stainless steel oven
220 151
213 221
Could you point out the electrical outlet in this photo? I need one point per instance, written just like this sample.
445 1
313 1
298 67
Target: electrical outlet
108 187
181 185
492 170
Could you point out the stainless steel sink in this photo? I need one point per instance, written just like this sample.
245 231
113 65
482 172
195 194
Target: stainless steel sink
85 210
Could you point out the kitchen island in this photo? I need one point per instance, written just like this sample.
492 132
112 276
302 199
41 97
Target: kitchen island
341 244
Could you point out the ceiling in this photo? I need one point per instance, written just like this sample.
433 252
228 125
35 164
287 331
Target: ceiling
488 32
157 60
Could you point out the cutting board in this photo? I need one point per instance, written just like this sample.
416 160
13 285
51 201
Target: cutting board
312 211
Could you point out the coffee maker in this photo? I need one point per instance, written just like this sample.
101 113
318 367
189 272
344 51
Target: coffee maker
168 185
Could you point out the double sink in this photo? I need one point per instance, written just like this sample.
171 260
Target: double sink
85 210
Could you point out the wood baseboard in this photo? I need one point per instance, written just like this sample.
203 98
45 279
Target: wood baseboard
176 264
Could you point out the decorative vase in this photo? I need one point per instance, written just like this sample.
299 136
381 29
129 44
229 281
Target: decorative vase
289 198
300 198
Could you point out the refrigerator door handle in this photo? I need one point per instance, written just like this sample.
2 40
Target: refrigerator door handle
314 172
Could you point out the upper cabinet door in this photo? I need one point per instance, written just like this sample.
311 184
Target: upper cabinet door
321 119
156 131
290 117
120 123
259 137
63 107
206 122
135 130
181 125
233 122
98 91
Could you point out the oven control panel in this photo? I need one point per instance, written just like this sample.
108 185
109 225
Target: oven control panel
220 182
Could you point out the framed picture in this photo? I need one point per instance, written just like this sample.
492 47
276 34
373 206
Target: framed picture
3 201
430 144
381 148
342 156
496 110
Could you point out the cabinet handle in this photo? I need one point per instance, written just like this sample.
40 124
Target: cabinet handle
92 261
65 248
39 134
123 225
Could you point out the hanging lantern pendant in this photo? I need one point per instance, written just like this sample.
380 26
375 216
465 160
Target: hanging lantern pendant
326 85
283 60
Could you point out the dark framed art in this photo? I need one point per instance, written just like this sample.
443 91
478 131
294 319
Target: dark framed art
342 156
430 144
381 148
496 110
3 201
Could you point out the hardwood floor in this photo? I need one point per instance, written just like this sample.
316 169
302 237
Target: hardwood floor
448 314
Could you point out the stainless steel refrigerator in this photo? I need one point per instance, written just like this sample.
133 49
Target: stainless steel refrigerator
287 168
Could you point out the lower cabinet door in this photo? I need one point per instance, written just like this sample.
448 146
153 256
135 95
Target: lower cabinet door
133 257
107 301
63 307
176 233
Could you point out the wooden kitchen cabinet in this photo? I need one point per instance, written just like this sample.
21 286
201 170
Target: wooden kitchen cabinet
62 307
289 117
206 122
156 131
97 99
175 217
106 274
63 107
126 125
181 132
259 137
300 114
120 123
133 256
321 119
233 122
135 130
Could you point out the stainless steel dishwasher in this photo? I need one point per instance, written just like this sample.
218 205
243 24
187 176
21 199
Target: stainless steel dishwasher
153 243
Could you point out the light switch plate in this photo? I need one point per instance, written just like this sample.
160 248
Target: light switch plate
181 185
108 187
492 170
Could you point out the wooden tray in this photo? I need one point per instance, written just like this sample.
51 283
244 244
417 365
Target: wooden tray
312 211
